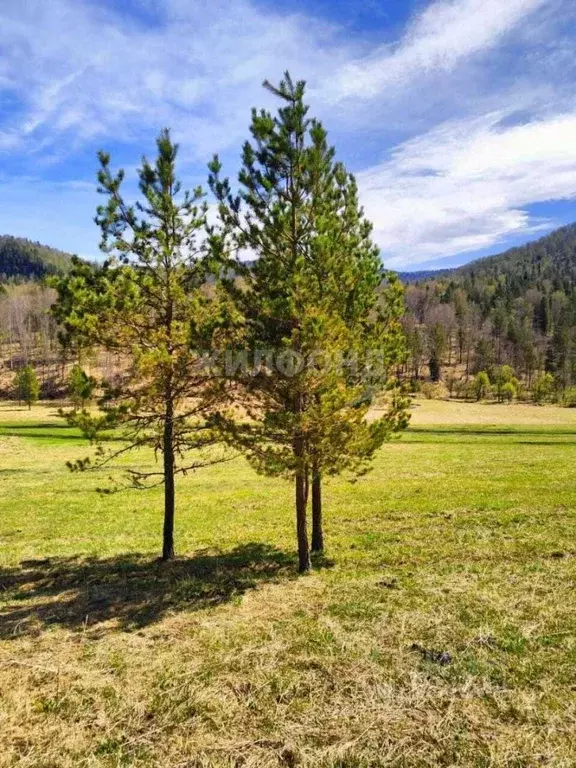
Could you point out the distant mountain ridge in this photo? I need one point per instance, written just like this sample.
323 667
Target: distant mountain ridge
22 259
422 274
550 258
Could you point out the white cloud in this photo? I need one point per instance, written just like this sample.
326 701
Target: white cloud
441 37
464 186
84 72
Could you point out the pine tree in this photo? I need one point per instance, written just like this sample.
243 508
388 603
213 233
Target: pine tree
544 319
149 305
436 346
80 386
27 386
316 290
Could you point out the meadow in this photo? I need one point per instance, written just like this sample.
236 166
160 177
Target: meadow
438 629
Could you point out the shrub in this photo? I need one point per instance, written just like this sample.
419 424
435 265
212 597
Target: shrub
462 388
452 382
481 385
521 391
543 388
433 390
569 398
503 375
427 389
508 392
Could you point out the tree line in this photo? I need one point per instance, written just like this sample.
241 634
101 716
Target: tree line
28 332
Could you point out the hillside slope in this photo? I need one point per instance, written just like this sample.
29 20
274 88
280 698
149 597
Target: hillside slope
516 308
22 259
552 258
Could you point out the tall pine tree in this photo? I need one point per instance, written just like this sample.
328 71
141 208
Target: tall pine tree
317 308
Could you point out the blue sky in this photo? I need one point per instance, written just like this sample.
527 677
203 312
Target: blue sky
457 116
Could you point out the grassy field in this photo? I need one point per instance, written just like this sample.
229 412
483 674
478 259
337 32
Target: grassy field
438 631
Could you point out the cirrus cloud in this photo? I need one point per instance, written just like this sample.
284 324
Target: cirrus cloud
463 186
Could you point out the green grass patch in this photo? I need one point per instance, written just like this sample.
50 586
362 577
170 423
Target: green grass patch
439 628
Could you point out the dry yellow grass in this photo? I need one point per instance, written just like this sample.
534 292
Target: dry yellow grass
452 412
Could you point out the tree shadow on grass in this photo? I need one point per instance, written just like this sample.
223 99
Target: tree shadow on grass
18 471
130 591
47 434
43 425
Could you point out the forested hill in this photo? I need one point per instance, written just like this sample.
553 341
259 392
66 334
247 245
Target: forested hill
551 259
517 308
547 263
22 259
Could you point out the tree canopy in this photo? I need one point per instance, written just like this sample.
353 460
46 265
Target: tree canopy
317 307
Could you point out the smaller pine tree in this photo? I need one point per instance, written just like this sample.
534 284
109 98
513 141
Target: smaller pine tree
80 386
149 305
27 386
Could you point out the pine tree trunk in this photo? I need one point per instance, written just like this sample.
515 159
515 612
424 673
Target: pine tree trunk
304 564
317 529
169 491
